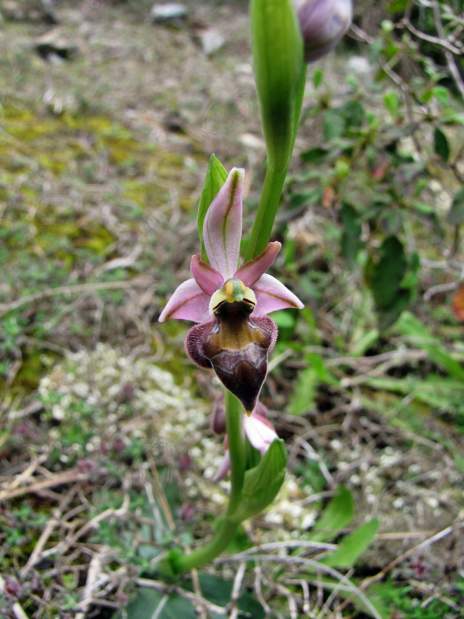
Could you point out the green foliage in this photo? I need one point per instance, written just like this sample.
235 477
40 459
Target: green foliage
351 243
216 176
303 397
279 70
263 482
337 515
149 603
402 599
456 214
353 546
385 276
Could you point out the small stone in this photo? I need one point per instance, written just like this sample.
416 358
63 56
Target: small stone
210 40
169 13
52 45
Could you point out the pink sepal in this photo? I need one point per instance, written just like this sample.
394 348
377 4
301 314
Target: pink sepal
222 229
188 302
206 277
272 295
250 272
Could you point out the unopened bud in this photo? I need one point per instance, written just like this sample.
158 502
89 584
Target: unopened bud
218 421
323 23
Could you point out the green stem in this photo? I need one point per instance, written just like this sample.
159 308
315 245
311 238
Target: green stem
228 525
236 448
267 210
276 173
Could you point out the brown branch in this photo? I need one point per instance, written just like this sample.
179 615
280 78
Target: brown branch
58 479
77 289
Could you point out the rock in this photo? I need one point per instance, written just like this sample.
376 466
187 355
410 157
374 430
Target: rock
52 45
169 13
359 65
210 40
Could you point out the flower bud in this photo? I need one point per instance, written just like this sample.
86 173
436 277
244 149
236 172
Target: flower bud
218 421
323 23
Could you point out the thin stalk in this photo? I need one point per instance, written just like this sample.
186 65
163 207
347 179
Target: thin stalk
276 173
228 525
236 448
269 203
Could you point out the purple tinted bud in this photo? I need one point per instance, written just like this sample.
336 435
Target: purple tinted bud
12 587
218 421
323 23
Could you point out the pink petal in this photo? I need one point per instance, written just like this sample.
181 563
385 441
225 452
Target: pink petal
188 302
272 295
222 229
250 272
206 277
259 432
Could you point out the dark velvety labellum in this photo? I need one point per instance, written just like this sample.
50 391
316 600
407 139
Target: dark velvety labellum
236 346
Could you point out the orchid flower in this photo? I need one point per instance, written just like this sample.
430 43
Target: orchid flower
258 430
233 334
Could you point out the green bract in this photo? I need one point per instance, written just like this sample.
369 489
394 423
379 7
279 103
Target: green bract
280 74
216 176
263 482
278 64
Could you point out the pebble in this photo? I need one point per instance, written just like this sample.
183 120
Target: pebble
211 41
171 12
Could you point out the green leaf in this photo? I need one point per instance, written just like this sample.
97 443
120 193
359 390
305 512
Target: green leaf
388 272
263 482
314 155
391 101
456 213
149 603
216 176
304 393
219 591
440 144
418 334
441 94
397 6
337 515
278 63
353 546
386 277
351 242
303 397
318 77
334 125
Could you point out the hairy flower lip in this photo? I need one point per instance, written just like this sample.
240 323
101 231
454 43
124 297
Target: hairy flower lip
237 352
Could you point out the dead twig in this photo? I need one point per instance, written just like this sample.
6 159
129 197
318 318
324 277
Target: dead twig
58 479
238 580
344 583
409 553
93 574
55 520
6 308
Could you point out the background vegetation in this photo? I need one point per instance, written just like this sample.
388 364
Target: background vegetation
106 124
